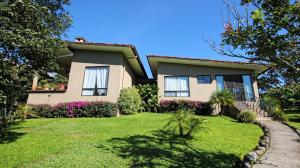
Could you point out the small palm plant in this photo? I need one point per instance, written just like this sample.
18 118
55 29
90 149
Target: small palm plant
222 98
185 122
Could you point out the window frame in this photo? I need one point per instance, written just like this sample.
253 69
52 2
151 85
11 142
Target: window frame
210 79
106 89
176 92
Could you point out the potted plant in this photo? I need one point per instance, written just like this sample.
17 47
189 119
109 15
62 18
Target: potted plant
44 84
60 86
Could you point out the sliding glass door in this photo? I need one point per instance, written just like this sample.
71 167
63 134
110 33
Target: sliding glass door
239 85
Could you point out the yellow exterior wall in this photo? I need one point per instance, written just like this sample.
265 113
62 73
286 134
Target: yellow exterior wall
198 92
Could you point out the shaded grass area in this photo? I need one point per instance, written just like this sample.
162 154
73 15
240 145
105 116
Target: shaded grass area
126 141
293 116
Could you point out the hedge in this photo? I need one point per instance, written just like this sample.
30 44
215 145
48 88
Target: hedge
200 108
76 109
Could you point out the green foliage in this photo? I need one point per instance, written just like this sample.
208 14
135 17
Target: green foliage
288 95
278 115
185 122
30 35
170 106
149 97
23 112
270 104
129 101
270 35
222 98
247 117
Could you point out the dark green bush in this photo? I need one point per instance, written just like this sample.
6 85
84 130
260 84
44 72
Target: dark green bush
278 115
43 110
129 101
247 117
200 108
149 97
96 109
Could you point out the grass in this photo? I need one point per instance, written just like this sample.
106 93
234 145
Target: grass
293 116
126 141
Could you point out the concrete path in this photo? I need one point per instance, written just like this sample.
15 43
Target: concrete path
284 151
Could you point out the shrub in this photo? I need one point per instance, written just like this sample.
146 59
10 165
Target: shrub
43 110
148 94
76 109
23 112
222 98
185 122
278 115
129 101
247 117
200 108
101 109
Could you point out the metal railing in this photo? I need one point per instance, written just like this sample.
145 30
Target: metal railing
254 103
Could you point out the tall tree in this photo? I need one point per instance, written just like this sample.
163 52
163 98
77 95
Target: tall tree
30 34
265 32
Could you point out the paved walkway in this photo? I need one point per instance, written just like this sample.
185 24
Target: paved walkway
284 151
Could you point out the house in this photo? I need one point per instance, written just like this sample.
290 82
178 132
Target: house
98 71
196 79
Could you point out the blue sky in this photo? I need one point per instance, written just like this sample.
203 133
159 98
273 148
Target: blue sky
161 27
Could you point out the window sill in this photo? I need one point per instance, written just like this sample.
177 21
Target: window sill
46 91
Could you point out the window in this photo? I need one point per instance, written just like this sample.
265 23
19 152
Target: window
220 82
204 79
95 81
248 88
177 86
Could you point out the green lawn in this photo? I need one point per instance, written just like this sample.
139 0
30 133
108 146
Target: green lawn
293 116
126 141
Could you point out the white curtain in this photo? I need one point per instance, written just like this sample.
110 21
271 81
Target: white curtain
173 83
182 83
89 81
102 79
248 88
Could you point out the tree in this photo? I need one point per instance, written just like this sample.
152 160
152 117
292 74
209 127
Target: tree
222 98
265 32
30 35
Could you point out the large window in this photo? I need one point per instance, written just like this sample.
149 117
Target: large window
204 79
95 81
177 86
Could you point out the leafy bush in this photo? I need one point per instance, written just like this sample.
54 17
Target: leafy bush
247 117
76 109
148 94
23 112
185 122
129 101
270 104
222 98
278 115
200 108
289 95
43 110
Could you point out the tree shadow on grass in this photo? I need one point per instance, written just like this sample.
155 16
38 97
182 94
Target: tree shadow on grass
11 133
164 149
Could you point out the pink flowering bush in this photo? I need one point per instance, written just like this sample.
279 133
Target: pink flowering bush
76 109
